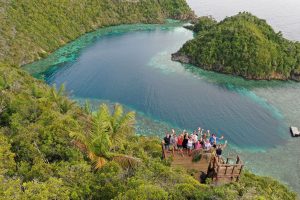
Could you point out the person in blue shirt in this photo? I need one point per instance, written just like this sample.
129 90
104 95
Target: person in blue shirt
214 139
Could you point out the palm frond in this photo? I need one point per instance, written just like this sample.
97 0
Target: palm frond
126 162
91 156
87 107
81 146
103 113
61 90
117 114
99 163
126 124
78 136
53 93
107 133
128 120
80 140
65 105
101 119
100 143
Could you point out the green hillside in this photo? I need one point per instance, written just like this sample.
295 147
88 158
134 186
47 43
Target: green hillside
32 29
50 148
242 45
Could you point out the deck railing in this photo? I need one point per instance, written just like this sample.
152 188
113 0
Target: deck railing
217 168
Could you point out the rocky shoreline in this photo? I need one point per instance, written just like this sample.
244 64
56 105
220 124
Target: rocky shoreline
184 59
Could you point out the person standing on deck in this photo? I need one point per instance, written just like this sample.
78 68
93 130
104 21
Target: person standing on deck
214 139
167 141
207 145
190 145
173 131
208 133
185 140
220 149
198 145
205 135
202 142
173 142
179 144
200 132
194 138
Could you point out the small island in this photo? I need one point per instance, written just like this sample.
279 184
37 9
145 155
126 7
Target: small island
241 45
53 148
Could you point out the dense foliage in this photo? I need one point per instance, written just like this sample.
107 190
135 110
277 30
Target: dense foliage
242 45
50 148
31 29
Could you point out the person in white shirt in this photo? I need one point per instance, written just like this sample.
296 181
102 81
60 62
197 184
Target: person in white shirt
207 145
194 138
190 145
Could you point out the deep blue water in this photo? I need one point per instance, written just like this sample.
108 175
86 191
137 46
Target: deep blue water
134 69
131 64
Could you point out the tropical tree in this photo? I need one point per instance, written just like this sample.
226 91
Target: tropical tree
59 97
118 125
108 131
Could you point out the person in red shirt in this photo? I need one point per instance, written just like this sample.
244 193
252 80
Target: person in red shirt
179 144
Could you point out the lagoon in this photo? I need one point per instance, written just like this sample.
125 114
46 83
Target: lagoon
131 65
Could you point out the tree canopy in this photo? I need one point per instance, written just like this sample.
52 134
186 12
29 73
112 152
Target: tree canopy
242 45
51 148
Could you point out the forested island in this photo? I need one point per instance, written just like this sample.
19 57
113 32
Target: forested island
51 148
241 45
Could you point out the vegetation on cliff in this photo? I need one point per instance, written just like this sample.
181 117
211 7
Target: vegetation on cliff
50 148
32 29
242 45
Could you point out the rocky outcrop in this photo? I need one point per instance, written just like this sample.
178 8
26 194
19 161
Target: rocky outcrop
181 58
295 76
189 16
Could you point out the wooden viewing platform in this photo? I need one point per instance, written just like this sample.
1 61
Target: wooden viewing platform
222 171
210 166
195 168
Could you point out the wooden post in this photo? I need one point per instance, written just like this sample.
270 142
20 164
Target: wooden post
232 173
217 176
238 177
237 159
163 151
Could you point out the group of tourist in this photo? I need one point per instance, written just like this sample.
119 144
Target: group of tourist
200 139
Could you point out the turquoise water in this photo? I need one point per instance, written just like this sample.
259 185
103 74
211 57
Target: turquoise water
130 64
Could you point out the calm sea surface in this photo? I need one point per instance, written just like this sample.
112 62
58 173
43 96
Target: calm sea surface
130 64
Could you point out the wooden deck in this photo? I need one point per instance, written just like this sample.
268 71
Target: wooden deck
195 168
218 169
221 171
